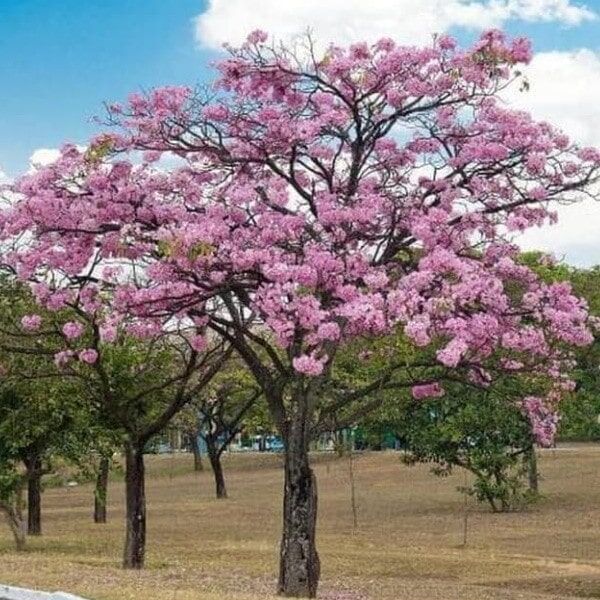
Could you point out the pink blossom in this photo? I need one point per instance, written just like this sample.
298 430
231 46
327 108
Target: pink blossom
215 112
73 330
543 418
61 359
451 355
328 331
89 356
198 343
417 331
446 42
521 50
108 333
536 163
257 37
427 390
308 365
31 322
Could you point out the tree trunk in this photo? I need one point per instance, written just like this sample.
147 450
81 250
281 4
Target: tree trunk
17 526
299 567
352 490
195 444
34 495
135 500
532 471
215 462
101 491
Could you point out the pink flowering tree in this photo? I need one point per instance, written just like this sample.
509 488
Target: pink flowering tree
321 199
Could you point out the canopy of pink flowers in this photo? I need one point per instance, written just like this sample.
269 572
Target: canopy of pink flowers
371 188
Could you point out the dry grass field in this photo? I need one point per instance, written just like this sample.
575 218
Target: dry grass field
408 544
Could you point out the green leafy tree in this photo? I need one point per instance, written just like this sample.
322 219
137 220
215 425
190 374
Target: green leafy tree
137 388
40 423
478 430
221 412
47 417
581 413
131 387
475 423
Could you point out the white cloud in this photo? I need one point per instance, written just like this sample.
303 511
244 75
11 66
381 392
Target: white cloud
574 238
42 157
565 87
4 178
344 21
544 10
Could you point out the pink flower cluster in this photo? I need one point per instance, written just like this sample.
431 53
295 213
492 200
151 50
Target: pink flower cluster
31 322
73 330
308 365
544 419
89 356
427 390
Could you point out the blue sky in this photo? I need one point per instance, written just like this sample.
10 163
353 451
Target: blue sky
59 60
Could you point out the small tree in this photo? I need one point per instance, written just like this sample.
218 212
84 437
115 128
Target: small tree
137 388
37 426
219 414
479 423
94 459
12 479
12 503
480 431
222 416
40 425
103 463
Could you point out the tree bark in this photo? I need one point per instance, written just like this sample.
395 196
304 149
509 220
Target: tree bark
34 495
135 500
101 491
214 456
195 444
532 471
299 568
